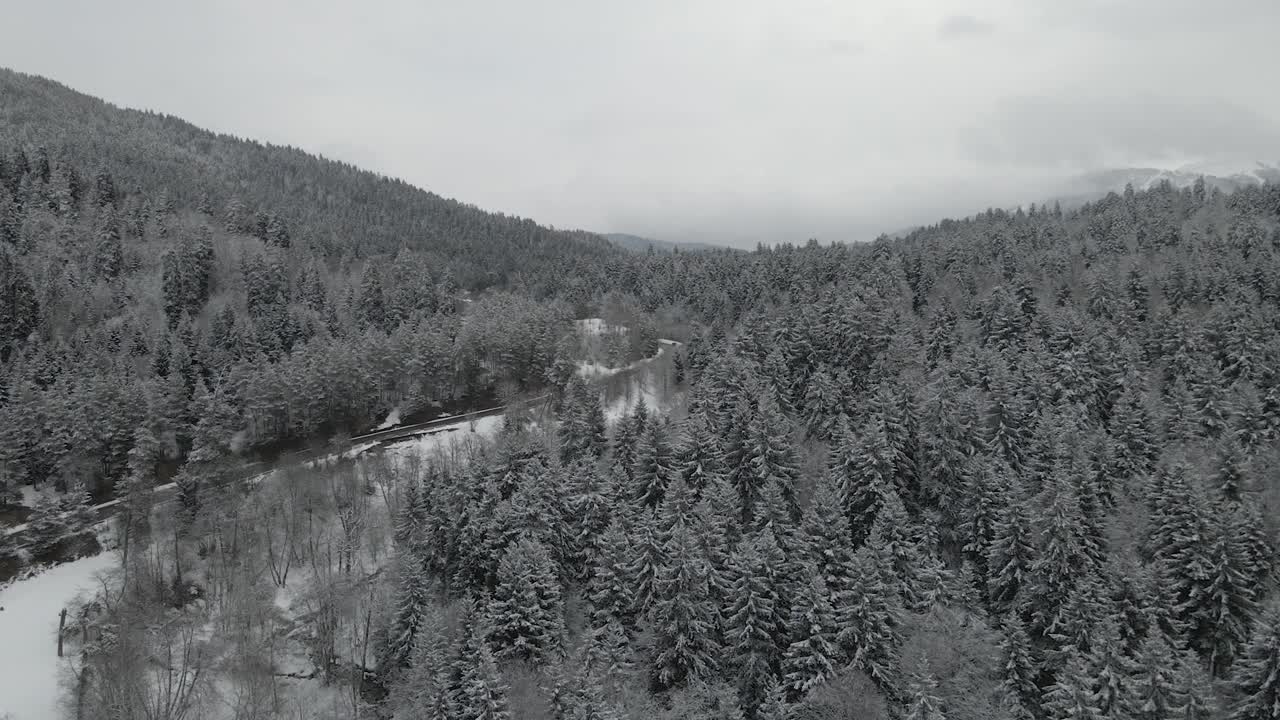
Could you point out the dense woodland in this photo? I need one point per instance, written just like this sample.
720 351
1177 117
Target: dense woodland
1021 465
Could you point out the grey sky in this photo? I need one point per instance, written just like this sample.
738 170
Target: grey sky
726 120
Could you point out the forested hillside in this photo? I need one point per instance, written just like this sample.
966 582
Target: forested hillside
1020 465
333 208
162 284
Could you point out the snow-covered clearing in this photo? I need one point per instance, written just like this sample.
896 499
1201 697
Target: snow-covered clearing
29 628
445 438
393 419
595 327
624 404
593 370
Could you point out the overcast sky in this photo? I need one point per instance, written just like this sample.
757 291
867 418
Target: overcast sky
726 121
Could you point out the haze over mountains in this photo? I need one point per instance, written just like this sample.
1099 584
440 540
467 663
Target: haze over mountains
757 121
1069 191
635 243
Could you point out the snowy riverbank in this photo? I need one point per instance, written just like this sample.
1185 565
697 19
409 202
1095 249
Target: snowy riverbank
29 625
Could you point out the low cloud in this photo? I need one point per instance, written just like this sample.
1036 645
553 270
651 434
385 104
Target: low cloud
727 120
964 26
1088 133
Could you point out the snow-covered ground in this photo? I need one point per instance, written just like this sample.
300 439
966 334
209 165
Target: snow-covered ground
29 610
595 327
624 404
592 370
644 378
29 666
393 419
446 438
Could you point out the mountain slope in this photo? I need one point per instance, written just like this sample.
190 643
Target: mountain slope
335 207
197 295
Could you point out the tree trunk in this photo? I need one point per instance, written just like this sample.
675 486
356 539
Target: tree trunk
62 623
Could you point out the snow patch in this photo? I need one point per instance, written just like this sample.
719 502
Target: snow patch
29 627
592 370
447 437
393 419
623 406
595 327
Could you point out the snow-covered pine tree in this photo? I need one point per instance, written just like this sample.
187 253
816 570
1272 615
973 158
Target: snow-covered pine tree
1221 591
775 706
699 459
1018 667
1108 668
1070 697
653 465
527 612
893 539
408 516
686 647
676 508
1072 628
871 482
1128 595
771 457
479 539
570 432
1007 420
827 528
1176 508
413 604
1062 557
923 702
823 403
640 415
646 558
589 702
1199 701
813 656
1256 676
716 528
625 439
593 421
46 524
608 652
1152 692
988 490
775 515
755 623
1231 468
735 436
588 511
484 694
868 619
608 589
422 689
134 490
